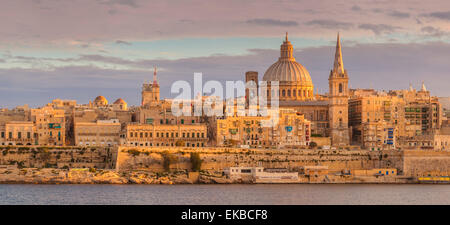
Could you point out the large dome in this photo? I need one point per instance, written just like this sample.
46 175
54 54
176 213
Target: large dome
294 80
290 71
286 69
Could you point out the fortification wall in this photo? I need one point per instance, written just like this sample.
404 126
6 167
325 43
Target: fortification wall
56 157
426 163
216 159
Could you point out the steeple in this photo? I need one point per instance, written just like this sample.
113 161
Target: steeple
423 87
338 63
410 87
155 81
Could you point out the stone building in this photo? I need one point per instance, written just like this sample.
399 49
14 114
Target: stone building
18 133
292 129
50 126
100 133
409 113
155 135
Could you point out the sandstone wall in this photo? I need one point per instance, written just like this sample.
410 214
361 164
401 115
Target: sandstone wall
129 158
56 157
426 163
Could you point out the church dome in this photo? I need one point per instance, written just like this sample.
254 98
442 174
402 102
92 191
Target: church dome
120 101
295 83
286 69
100 100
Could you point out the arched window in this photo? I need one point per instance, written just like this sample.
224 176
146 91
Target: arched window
340 88
283 93
289 93
299 93
294 93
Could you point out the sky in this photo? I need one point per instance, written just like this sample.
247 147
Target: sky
80 49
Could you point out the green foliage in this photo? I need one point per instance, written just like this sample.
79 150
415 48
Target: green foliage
196 161
168 159
134 152
312 144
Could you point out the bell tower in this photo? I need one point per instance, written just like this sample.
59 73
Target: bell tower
338 100
150 92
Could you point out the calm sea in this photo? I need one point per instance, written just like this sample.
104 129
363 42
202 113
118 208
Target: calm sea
308 194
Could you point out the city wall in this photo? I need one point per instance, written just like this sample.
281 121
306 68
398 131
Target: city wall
56 157
216 159
419 163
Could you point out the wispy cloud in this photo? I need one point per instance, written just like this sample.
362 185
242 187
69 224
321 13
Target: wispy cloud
439 15
123 42
272 22
330 24
378 29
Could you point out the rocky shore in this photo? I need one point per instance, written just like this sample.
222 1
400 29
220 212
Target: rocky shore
93 176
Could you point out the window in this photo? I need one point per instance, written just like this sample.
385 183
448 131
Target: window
340 88
182 121
19 134
283 93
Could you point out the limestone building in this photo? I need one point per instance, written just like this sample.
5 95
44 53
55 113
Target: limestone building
18 133
50 126
100 133
291 130
150 135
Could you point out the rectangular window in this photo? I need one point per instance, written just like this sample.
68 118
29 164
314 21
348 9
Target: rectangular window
10 134
28 135
19 134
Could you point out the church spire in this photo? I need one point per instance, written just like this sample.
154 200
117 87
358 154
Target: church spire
155 81
423 87
338 63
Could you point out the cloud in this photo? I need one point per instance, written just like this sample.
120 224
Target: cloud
432 31
381 66
272 22
130 3
356 8
378 29
399 14
439 15
123 42
330 24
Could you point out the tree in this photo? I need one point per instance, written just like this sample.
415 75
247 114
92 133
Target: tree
168 159
312 144
196 161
